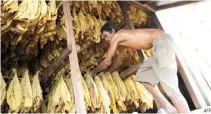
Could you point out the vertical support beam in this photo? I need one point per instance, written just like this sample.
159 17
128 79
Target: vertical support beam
124 7
75 71
145 7
128 72
190 83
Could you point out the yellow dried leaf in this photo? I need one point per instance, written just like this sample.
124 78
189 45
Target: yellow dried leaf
107 86
104 97
14 93
94 95
27 98
59 98
37 92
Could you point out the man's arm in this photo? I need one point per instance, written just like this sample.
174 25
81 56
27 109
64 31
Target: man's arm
107 61
118 60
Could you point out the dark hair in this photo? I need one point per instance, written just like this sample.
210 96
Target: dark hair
108 27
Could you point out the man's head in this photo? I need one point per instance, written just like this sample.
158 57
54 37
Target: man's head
108 31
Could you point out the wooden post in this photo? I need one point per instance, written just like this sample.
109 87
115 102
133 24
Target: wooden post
126 73
123 5
54 74
145 8
192 63
190 83
75 71
54 64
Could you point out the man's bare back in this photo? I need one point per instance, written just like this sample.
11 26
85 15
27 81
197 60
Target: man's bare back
137 38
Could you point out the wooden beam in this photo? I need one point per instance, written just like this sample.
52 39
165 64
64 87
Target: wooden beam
128 72
160 5
48 83
193 63
191 85
75 71
123 5
122 24
145 7
50 72
54 64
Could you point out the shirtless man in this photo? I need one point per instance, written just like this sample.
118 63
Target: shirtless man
160 68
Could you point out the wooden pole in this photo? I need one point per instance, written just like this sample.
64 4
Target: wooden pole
190 83
191 61
126 73
145 8
54 74
54 64
123 5
54 67
75 71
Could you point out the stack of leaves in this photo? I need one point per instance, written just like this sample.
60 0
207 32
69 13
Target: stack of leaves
14 93
68 81
36 93
146 99
104 97
59 98
2 89
51 51
27 98
132 96
121 89
49 31
28 31
94 94
112 93
104 94
137 16
148 52
120 102
87 98
8 7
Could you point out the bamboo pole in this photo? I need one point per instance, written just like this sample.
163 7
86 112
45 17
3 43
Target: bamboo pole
128 72
75 71
190 83
54 64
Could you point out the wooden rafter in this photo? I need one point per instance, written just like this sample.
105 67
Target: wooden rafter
145 8
54 64
123 5
128 72
50 72
75 71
